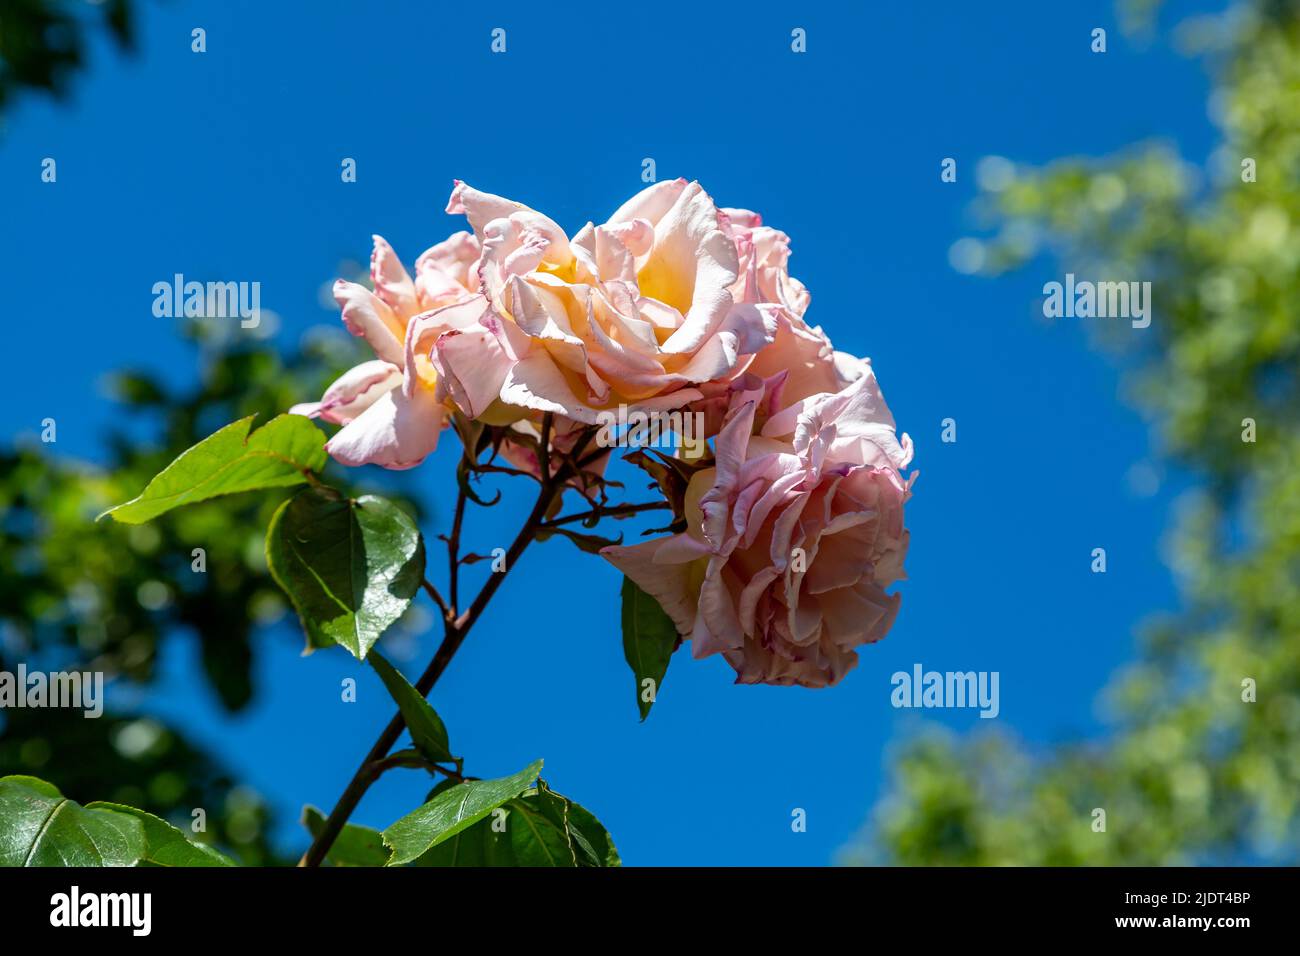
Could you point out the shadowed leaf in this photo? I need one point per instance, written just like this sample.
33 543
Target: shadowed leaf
350 566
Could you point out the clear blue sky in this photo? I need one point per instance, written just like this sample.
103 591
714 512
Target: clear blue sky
225 165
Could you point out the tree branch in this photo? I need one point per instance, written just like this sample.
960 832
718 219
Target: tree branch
455 633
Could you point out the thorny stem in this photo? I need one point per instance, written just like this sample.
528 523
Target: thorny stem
615 511
379 767
457 627
437 598
544 450
487 469
453 555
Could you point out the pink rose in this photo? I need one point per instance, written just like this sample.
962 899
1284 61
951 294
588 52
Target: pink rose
791 539
667 301
801 354
638 311
764 255
389 407
805 354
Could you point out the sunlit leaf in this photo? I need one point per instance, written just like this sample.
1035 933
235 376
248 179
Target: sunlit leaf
453 810
538 828
41 827
164 844
231 460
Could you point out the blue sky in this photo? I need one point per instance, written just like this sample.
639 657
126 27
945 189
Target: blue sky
225 165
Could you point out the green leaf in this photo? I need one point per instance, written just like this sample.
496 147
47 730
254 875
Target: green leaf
541 828
350 566
427 730
164 844
355 846
539 833
41 827
479 845
446 783
592 838
277 455
649 639
586 841
453 810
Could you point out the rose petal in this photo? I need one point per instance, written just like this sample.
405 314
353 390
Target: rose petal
397 431
352 392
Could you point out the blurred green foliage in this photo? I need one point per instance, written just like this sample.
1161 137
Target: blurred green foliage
1191 772
43 42
75 594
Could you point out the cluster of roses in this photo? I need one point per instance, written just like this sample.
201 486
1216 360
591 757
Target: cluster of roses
793 523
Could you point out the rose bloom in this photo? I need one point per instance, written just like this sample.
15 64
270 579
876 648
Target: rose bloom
667 298
638 311
389 408
794 535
